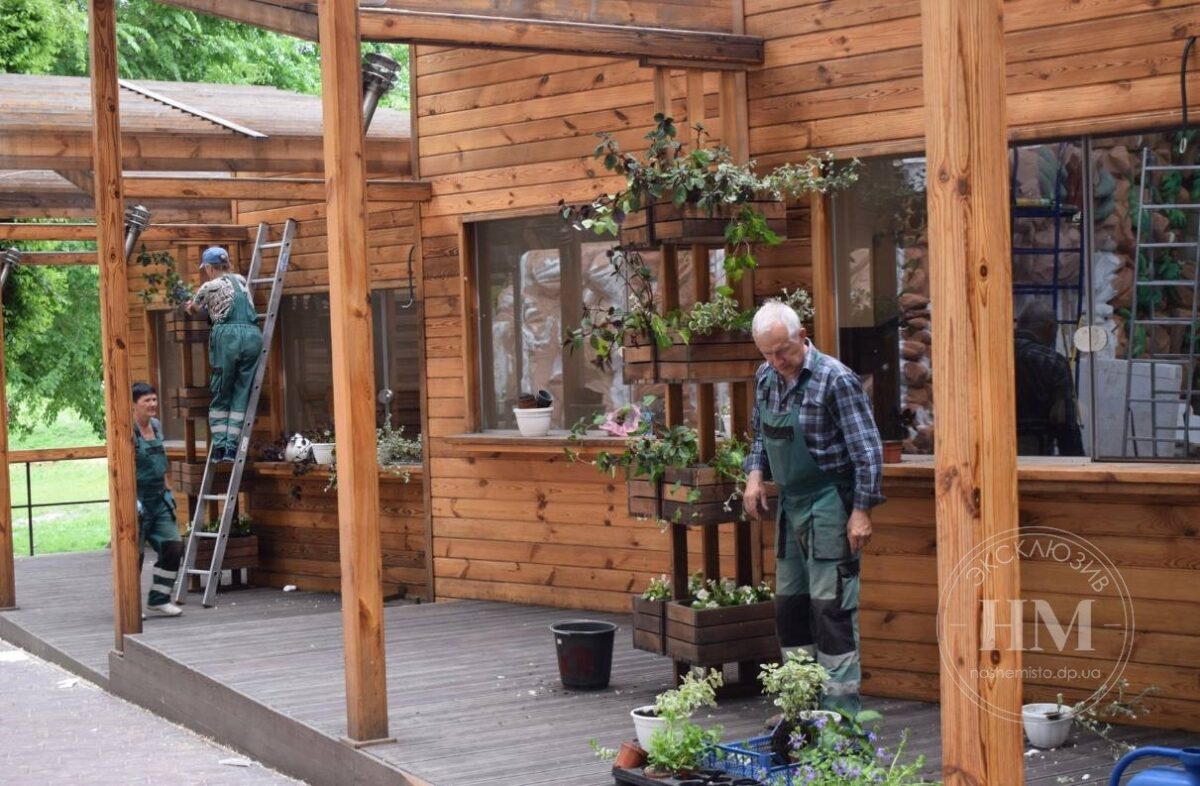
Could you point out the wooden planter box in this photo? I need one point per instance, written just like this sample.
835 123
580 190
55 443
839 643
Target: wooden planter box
662 223
725 635
241 553
707 637
670 500
719 357
649 619
186 478
187 329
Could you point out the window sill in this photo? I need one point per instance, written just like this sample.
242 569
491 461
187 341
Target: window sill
505 442
283 469
1034 470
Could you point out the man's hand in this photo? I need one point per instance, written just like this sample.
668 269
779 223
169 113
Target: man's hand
755 500
858 528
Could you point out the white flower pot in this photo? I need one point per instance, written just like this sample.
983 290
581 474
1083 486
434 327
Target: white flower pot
1044 731
645 725
322 452
533 422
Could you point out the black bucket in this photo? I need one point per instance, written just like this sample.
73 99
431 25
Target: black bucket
585 650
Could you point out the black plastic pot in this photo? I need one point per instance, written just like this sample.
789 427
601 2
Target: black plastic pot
584 653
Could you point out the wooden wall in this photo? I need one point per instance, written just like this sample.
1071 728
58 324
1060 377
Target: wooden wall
846 75
296 521
1148 530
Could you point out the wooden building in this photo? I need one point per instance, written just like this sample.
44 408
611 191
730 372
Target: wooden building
506 100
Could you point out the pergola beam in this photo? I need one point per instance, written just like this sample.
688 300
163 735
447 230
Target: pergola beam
114 321
202 233
195 211
540 35
266 15
290 189
975 452
70 150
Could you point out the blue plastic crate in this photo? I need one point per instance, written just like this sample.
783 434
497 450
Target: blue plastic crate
752 758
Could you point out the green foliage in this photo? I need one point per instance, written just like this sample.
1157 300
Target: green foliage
52 346
658 589
719 593
163 274
157 41
796 684
240 527
681 744
708 178
830 753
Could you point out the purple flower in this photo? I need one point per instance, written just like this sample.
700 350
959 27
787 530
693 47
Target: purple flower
623 421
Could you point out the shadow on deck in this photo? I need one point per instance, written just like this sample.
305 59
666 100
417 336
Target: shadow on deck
473 690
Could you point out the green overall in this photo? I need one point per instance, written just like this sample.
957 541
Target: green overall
156 522
816 604
233 352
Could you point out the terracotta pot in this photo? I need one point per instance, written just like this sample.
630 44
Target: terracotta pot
630 756
893 449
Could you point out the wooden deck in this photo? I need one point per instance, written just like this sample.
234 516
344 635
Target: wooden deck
473 689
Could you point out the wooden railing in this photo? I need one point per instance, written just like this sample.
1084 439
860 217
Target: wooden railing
50 455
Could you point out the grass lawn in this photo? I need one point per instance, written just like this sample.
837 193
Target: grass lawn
69 528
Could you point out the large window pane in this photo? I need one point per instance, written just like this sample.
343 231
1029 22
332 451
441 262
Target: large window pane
534 277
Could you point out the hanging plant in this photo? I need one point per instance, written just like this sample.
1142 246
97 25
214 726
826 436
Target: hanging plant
175 290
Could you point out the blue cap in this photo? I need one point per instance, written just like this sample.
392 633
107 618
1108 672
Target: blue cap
214 255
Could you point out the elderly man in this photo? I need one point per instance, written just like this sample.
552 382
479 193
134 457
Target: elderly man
814 434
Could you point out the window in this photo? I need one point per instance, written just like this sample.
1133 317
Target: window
1068 402
533 278
308 367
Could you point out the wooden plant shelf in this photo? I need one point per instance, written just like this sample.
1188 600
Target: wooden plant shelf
187 477
662 223
719 357
671 499
186 329
707 637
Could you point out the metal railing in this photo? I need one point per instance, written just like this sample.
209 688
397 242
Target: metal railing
46 456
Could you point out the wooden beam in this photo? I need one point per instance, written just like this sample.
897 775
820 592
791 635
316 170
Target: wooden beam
975 449
202 233
211 153
539 35
289 189
8 578
195 211
191 110
80 178
114 321
266 15
353 370
60 258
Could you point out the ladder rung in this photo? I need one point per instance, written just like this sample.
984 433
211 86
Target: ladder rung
1168 245
207 534
1173 168
1175 401
1165 283
267 280
197 572
213 497
272 244
1184 206
1165 321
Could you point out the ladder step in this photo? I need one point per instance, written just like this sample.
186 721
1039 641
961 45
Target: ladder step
1165 321
1184 206
1174 168
196 572
1169 245
261 280
1164 283
212 497
208 534
273 244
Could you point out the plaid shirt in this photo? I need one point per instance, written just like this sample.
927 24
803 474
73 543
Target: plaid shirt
835 418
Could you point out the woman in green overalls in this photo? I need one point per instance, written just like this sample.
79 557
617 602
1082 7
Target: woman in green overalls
234 349
816 435
156 506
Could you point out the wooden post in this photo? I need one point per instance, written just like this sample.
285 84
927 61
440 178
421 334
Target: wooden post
114 321
976 479
8 581
353 370
824 294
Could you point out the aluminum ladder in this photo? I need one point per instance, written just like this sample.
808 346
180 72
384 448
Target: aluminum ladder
227 500
1149 285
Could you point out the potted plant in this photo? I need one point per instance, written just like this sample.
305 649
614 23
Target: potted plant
533 413
1047 724
322 442
241 549
667 482
797 685
677 196
678 745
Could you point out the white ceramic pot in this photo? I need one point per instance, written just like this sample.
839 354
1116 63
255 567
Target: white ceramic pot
322 452
1047 725
645 725
532 422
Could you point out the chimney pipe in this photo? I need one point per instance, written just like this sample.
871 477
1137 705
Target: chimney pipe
137 218
8 261
379 76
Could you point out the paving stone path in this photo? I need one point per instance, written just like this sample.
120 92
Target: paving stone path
58 729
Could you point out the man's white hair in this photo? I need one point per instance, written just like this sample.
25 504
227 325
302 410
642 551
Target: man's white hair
776 312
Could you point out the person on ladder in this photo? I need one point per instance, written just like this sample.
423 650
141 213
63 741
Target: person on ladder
233 349
156 506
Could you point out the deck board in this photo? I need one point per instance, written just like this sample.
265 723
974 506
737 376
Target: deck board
473 690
